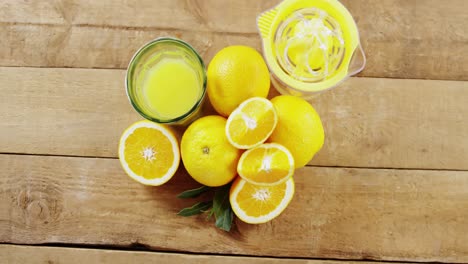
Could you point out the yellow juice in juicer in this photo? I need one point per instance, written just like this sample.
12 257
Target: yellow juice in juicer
310 45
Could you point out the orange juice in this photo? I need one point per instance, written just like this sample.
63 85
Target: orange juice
171 88
166 81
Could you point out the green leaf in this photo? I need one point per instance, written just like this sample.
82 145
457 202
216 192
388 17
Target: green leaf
195 209
193 193
225 220
221 200
222 208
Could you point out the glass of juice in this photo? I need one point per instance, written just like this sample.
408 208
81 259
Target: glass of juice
166 81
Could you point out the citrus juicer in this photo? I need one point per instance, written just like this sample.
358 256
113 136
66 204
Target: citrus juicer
310 45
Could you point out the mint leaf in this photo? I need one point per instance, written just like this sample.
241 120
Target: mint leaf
195 209
193 193
222 208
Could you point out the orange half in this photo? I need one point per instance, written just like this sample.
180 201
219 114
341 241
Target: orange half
255 204
250 124
268 164
149 153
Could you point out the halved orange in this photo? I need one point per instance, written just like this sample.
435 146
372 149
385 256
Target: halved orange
250 124
149 153
255 204
268 164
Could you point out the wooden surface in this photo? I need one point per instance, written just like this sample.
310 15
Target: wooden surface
40 255
390 184
419 39
392 123
336 213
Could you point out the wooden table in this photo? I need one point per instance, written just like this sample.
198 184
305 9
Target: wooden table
390 184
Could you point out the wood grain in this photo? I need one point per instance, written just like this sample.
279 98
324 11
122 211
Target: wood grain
424 39
413 39
377 214
193 15
55 109
12 254
91 47
369 122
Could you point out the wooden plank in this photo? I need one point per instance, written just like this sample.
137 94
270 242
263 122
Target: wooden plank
79 110
403 39
395 123
12 254
35 12
91 47
380 214
199 15
369 122
413 39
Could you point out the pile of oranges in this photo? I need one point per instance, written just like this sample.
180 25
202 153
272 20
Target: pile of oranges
254 143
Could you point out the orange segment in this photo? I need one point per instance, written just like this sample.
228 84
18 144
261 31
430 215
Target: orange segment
267 164
259 204
149 153
251 123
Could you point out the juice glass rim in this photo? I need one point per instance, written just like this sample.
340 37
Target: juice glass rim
131 68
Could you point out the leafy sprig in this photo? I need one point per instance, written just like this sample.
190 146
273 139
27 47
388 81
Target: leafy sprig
219 206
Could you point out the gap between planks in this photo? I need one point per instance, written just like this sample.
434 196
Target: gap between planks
131 28
308 165
125 68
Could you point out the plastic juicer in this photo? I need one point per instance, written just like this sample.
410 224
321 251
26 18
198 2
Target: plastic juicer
310 45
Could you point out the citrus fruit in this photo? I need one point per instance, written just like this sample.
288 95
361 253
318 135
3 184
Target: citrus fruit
268 164
255 204
149 153
299 128
251 123
207 154
235 74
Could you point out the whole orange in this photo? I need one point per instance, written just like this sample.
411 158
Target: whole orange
235 74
